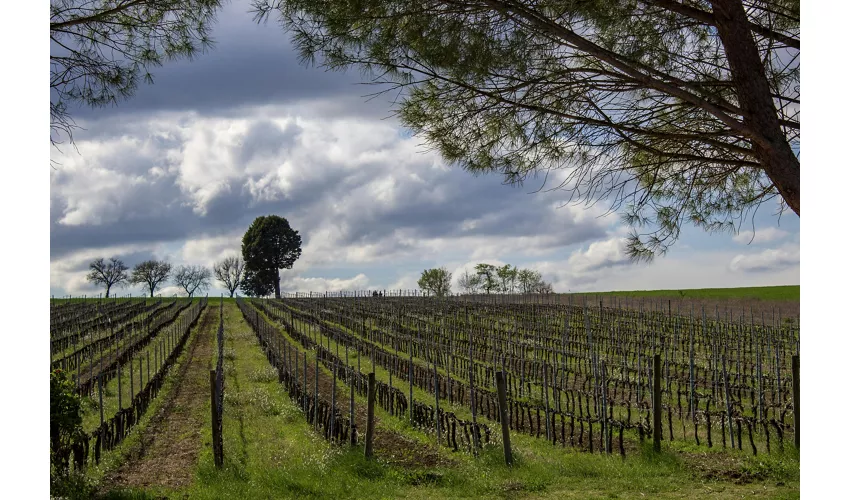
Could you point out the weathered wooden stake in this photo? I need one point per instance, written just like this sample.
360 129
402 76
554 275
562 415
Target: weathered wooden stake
410 378
120 406
351 424
795 373
656 402
214 412
100 395
503 417
436 400
316 394
728 403
546 392
333 401
370 415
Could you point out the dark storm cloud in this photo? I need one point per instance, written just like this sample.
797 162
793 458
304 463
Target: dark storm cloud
496 210
159 211
250 64
227 212
265 138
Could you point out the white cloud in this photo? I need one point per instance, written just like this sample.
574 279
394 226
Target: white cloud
772 259
207 251
762 235
365 198
293 283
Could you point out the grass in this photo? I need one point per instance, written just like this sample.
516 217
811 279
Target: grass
786 292
271 452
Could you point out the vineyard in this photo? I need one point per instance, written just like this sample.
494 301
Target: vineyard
577 376
424 382
117 356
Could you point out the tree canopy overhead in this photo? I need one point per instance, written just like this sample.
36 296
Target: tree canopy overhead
268 245
101 49
675 112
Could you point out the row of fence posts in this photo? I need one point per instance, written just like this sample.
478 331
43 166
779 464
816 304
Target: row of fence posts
217 393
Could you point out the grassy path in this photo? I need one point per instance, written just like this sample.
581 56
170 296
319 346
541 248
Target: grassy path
168 450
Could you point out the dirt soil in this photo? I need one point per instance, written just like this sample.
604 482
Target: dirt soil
168 451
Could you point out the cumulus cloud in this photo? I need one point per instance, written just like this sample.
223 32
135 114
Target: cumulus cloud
359 193
294 283
762 235
772 259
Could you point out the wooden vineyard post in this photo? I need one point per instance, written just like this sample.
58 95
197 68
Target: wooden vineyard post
437 400
100 396
316 393
503 417
410 378
604 393
656 402
795 373
691 405
333 401
472 397
728 403
214 412
370 415
120 406
351 424
91 359
546 393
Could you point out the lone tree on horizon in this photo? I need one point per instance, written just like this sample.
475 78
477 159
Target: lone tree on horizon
269 245
674 112
109 274
151 273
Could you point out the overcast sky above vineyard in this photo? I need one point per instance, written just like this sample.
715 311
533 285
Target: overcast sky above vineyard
181 170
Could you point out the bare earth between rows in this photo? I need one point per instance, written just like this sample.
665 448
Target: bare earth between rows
169 448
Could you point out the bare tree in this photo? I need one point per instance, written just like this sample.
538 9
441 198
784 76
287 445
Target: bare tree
109 274
469 282
543 287
192 279
230 272
151 273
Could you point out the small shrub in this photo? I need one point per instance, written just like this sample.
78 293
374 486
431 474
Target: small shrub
66 425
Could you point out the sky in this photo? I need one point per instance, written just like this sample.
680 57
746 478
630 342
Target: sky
179 171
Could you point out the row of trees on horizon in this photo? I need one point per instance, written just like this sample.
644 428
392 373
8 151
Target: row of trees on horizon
487 279
269 244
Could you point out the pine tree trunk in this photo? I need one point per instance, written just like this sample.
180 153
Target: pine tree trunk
754 95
